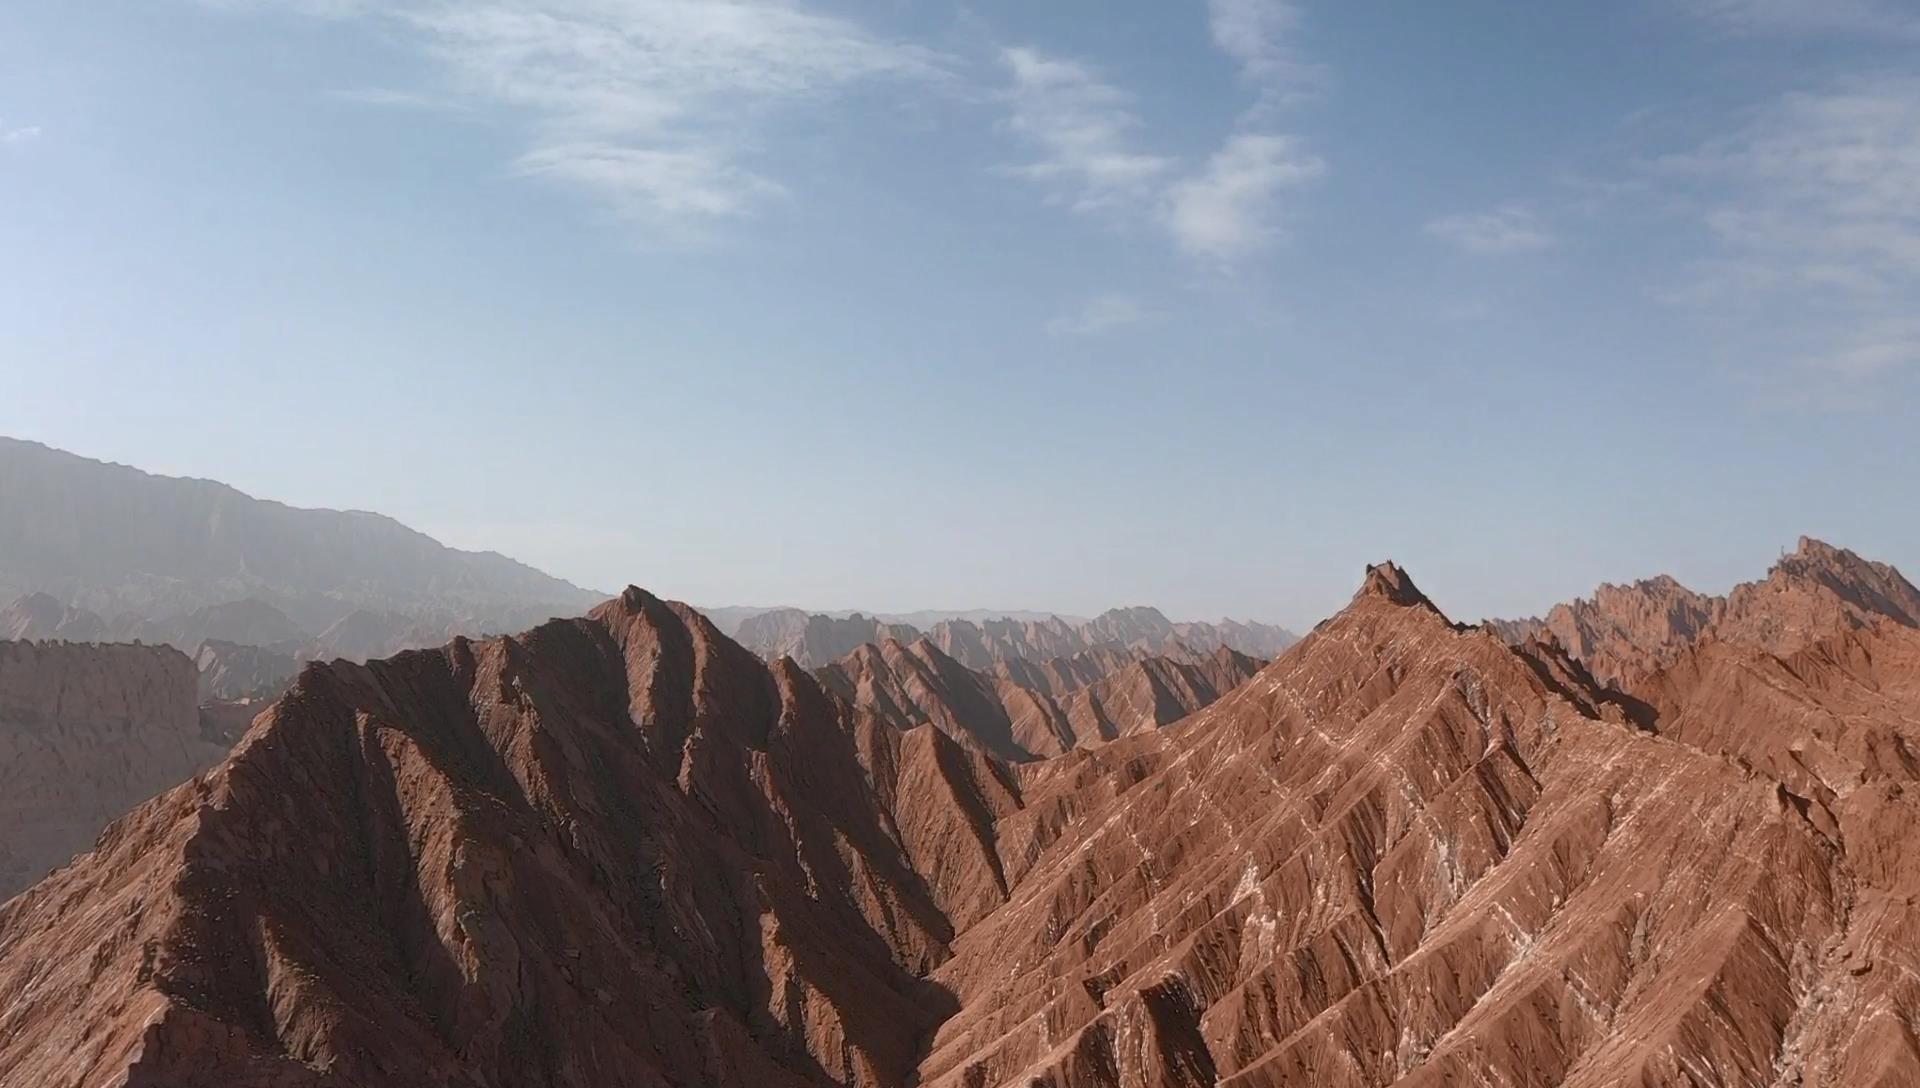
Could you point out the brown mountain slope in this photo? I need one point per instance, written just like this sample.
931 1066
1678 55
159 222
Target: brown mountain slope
1404 855
616 851
1091 697
87 732
908 686
1624 632
622 851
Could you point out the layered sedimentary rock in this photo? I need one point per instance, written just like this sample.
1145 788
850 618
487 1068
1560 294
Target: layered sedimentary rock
912 685
615 851
87 732
1088 698
623 850
1622 633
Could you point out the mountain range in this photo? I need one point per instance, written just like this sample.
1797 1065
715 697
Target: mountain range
625 849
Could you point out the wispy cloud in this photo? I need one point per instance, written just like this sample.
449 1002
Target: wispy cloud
1502 231
651 105
391 98
19 134
1814 205
1223 208
1821 189
1258 35
1852 17
1101 314
1084 130
1231 206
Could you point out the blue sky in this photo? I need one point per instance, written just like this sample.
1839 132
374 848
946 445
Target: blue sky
919 304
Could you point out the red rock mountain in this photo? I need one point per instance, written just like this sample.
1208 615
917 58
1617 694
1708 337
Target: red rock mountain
1624 632
87 732
622 850
1085 699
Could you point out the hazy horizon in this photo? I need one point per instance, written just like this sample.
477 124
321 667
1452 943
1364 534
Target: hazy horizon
912 306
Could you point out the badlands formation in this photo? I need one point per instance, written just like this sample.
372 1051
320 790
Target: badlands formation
623 850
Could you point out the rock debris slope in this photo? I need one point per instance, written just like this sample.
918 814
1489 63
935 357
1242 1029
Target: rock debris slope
623 851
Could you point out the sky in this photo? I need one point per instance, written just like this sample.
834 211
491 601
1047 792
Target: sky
913 304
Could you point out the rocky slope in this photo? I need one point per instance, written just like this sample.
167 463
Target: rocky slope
624 851
1623 632
87 732
1086 699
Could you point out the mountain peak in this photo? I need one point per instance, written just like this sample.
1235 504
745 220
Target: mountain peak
1388 581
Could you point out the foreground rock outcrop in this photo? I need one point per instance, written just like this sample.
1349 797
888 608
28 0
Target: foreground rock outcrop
622 850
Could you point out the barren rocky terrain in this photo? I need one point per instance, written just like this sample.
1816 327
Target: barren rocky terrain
624 850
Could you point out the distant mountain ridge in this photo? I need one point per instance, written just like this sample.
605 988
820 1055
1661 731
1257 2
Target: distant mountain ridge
815 639
113 539
1624 632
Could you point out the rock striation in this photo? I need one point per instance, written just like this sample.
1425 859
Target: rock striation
624 850
1087 699
1622 633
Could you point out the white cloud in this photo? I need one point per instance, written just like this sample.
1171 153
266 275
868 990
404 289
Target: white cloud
1820 189
651 105
1863 17
1101 314
1257 35
1083 128
1888 345
1506 230
1812 208
388 97
1231 207
20 135
663 188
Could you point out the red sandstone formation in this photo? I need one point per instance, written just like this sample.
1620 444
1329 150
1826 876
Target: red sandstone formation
1624 632
1092 697
624 851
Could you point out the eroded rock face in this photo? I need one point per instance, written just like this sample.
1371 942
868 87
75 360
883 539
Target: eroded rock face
1089 698
616 851
1622 633
622 850
87 732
